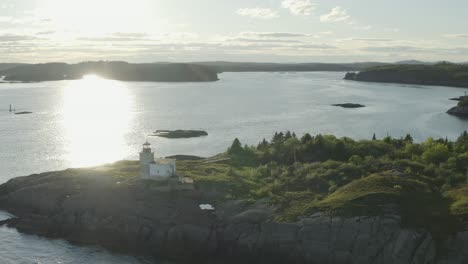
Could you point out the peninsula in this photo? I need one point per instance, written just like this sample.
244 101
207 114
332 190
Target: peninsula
314 199
122 71
441 74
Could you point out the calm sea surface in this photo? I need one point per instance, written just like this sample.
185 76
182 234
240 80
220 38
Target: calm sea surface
94 121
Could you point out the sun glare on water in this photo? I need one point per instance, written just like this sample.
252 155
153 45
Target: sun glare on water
97 116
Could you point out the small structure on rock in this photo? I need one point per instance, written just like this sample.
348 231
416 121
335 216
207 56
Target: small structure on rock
162 169
159 169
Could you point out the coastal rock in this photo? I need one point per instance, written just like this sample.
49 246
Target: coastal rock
88 206
350 76
459 111
349 105
180 133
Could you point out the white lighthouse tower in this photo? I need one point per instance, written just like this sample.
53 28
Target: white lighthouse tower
151 169
146 158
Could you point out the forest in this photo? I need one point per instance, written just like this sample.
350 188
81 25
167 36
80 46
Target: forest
423 182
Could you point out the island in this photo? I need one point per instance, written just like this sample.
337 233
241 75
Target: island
349 105
461 110
309 199
114 70
180 133
23 113
441 74
226 66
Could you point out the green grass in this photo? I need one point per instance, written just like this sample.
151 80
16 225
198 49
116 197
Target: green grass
459 207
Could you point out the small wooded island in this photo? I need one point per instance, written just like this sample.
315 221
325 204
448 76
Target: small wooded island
443 74
314 199
114 70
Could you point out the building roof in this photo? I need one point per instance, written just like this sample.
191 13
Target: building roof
147 144
164 161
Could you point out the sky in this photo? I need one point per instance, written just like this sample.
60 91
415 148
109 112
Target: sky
242 30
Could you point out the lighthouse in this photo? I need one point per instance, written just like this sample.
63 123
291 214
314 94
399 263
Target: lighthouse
159 169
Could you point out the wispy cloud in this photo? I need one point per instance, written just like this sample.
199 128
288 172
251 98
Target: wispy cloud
336 14
280 35
11 38
257 12
269 40
371 39
457 35
299 7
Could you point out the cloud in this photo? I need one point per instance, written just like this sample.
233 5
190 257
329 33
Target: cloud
11 38
48 32
457 36
257 12
397 49
336 14
315 46
299 7
129 35
282 35
370 39
367 27
264 40
4 19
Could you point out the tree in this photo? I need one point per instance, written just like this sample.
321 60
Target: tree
306 138
374 137
436 153
236 147
278 138
263 145
464 102
408 139
291 145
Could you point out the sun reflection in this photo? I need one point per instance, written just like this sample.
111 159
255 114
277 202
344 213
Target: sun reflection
97 115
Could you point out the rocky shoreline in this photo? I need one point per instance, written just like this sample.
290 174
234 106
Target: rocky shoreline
459 111
93 206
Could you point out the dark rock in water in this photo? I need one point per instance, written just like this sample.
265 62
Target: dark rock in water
350 76
23 113
350 105
185 157
180 133
459 111
461 98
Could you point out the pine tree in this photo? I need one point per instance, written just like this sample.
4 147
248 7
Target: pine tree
236 147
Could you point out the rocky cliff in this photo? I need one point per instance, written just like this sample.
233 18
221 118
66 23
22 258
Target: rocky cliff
100 206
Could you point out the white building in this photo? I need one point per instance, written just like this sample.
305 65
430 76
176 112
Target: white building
159 169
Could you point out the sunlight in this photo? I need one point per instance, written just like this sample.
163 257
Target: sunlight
97 115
